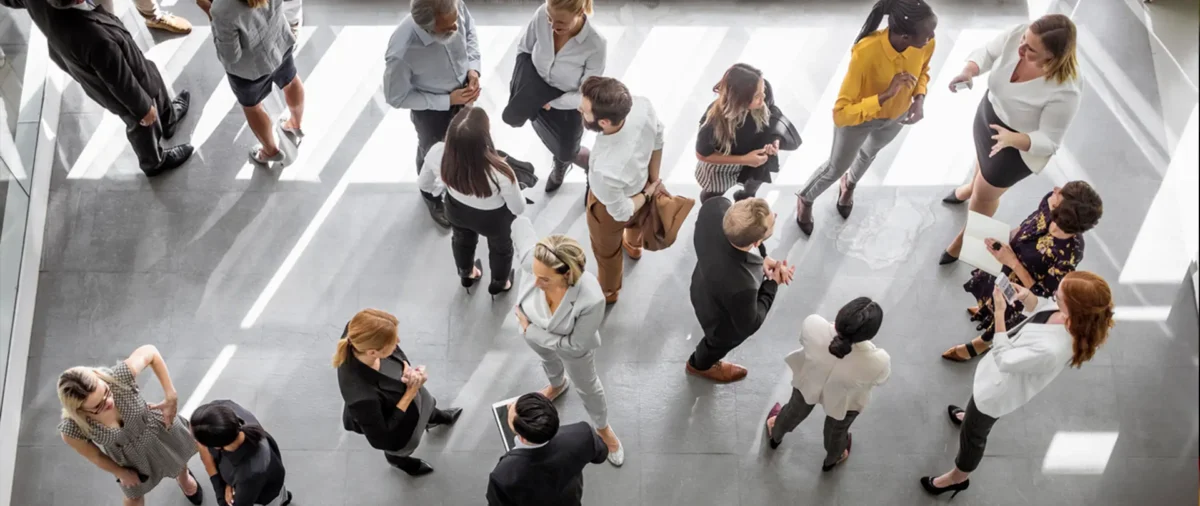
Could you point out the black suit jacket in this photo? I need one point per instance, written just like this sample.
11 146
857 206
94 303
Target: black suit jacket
729 294
527 92
370 409
94 48
550 475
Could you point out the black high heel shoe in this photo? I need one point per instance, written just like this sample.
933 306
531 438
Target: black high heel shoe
467 283
953 411
947 258
952 198
498 288
927 484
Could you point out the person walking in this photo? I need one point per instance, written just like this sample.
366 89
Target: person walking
1060 333
107 421
740 135
481 195
1034 89
1043 249
884 89
255 44
243 461
732 287
91 45
564 49
385 397
560 310
432 69
546 467
622 176
836 367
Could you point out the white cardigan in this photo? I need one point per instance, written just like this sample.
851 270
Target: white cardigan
838 385
1019 367
1041 108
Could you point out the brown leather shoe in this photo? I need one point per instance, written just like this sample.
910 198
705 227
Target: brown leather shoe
634 253
723 372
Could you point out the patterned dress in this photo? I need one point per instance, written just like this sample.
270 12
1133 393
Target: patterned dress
1047 258
142 443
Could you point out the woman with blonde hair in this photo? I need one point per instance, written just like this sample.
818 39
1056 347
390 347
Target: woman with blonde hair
106 420
1058 333
740 139
564 49
254 43
1033 94
560 309
385 396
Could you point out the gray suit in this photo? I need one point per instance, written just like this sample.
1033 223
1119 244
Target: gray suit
567 342
251 43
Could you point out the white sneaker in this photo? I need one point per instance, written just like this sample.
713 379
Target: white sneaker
617 458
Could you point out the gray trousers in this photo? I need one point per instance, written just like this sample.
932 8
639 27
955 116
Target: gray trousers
582 372
837 432
854 149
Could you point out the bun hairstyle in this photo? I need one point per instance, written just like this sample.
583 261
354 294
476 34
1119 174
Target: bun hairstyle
1089 313
1079 210
370 329
215 425
536 419
563 254
856 322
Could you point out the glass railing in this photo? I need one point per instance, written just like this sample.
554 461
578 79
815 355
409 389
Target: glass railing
20 112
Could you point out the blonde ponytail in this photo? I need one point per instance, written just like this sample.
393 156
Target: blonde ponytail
342 354
370 329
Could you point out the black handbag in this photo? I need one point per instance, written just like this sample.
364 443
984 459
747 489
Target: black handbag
789 136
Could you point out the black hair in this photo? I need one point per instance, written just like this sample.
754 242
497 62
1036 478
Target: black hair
215 425
904 16
536 419
856 322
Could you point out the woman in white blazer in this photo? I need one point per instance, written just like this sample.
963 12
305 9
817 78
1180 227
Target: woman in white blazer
1061 333
560 309
1033 94
836 367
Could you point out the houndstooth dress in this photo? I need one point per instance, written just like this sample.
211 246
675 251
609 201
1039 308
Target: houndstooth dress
142 443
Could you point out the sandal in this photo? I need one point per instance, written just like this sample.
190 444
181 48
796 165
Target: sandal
295 134
953 354
256 156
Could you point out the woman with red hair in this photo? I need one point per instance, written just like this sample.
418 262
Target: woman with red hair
1023 361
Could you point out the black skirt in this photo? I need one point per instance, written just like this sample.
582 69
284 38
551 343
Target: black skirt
1005 169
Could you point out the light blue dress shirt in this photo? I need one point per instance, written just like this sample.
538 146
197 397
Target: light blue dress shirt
421 72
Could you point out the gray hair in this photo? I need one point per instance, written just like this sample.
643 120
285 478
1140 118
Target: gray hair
425 12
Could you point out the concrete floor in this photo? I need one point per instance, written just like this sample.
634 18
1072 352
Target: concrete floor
262 268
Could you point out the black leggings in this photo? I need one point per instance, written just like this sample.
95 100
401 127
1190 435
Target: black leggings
467 224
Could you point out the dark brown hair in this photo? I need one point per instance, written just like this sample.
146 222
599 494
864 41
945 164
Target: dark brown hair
470 161
609 97
1089 313
1058 35
1079 210
729 111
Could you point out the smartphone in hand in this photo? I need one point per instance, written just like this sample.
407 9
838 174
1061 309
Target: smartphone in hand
1010 293
965 85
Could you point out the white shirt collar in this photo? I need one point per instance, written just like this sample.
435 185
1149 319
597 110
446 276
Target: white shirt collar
522 444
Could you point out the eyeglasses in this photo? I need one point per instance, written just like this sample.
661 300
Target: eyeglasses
103 403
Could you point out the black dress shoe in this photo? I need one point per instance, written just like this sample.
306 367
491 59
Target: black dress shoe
411 466
179 108
947 258
444 417
952 198
557 175
172 158
437 211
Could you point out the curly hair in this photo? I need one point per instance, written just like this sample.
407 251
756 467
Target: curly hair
1080 209
1089 313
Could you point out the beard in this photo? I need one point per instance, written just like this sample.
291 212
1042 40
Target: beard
445 37
592 125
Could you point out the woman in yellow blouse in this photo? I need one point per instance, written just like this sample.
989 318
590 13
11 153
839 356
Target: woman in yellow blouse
883 90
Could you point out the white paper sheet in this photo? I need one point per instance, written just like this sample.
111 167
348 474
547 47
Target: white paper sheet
975 250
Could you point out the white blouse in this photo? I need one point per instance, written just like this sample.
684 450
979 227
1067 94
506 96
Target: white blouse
838 385
1041 108
504 191
1020 366
580 58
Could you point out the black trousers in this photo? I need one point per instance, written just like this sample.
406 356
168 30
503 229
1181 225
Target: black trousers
972 438
467 224
431 129
837 432
711 349
146 141
560 131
